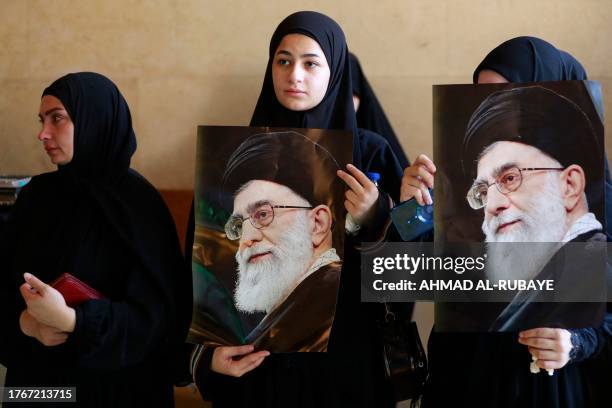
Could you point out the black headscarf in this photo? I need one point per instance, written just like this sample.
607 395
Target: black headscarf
370 114
104 140
530 59
105 224
336 110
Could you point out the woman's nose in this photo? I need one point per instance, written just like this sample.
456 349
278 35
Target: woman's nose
45 133
297 74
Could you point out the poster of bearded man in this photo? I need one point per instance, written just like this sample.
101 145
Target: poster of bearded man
521 170
269 236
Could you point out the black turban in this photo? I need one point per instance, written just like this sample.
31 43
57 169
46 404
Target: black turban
288 158
537 117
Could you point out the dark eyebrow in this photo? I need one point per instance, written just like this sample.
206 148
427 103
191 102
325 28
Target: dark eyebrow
310 55
496 172
50 111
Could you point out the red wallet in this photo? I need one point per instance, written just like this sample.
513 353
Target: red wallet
74 290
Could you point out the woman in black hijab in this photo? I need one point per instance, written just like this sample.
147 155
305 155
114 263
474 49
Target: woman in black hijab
317 93
369 111
529 59
103 223
492 369
371 152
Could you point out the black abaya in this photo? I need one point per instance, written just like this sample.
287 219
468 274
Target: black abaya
106 225
370 114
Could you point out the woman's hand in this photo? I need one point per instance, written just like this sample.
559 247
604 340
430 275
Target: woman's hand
362 195
551 347
417 179
50 336
47 335
47 305
27 324
224 361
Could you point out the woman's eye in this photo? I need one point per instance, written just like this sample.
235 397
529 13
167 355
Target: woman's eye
57 118
283 62
311 64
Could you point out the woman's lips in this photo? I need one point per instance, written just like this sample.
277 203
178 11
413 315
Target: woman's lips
295 92
502 228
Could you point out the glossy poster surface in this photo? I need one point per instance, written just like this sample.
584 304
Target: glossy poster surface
521 170
269 236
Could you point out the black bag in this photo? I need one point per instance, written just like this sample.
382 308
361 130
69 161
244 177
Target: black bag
404 356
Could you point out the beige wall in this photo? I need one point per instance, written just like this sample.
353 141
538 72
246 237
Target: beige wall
188 62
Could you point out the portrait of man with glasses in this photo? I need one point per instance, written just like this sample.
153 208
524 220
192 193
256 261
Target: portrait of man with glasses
535 162
283 226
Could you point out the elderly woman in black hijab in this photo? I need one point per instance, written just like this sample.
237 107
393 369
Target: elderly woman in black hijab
491 369
370 113
308 85
103 223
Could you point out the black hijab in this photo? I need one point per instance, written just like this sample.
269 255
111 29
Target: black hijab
99 172
336 110
370 114
104 140
530 59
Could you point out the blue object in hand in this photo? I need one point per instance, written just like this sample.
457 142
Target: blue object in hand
412 220
375 177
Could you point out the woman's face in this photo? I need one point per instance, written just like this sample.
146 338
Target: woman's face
488 76
57 133
300 73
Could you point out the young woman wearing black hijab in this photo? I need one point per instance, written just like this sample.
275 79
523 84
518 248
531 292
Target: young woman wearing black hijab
370 113
308 85
103 223
491 369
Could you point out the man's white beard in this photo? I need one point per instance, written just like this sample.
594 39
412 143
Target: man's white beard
509 256
262 285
